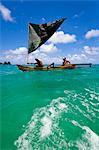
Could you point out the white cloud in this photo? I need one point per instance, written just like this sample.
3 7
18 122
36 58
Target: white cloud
48 48
61 37
19 55
92 33
14 56
6 13
17 51
45 58
78 58
91 50
88 55
47 53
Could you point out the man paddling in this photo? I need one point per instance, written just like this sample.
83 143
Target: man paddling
65 61
38 62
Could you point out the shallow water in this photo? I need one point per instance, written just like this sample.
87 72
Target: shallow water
49 110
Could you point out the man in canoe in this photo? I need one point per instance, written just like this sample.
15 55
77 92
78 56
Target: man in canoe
65 61
39 63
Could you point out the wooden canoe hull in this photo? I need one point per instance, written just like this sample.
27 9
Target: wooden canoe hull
29 68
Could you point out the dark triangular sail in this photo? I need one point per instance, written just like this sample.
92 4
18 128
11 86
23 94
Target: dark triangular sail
40 33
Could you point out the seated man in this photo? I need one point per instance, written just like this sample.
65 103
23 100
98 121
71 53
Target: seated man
65 62
38 62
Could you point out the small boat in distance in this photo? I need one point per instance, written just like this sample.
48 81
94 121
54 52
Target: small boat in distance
38 35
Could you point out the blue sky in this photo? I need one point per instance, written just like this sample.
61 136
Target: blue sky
82 16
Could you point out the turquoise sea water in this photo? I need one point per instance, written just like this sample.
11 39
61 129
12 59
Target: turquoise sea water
49 110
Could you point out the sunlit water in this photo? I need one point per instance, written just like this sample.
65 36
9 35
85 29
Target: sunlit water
49 110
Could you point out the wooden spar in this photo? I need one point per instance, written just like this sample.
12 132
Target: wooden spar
85 64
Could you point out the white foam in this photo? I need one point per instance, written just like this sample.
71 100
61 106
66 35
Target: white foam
62 106
46 128
53 112
43 124
93 138
66 91
31 125
93 94
25 143
92 91
89 140
76 123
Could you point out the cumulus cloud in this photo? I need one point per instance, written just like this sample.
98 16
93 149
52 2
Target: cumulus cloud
17 51
78 58
6 13
47 52
14 56
92 33
82 58
91 50
88 55
61 37
45 58
48 48
19 55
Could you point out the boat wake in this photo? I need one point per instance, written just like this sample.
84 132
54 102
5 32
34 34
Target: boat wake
44 130
89 140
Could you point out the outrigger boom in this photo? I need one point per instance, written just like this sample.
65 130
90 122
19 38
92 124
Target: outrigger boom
83 64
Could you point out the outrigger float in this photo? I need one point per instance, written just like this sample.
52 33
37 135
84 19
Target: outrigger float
38 35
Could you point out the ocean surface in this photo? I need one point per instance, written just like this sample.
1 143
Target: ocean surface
49 110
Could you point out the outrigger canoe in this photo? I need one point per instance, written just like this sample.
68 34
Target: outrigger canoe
29 68
38 35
